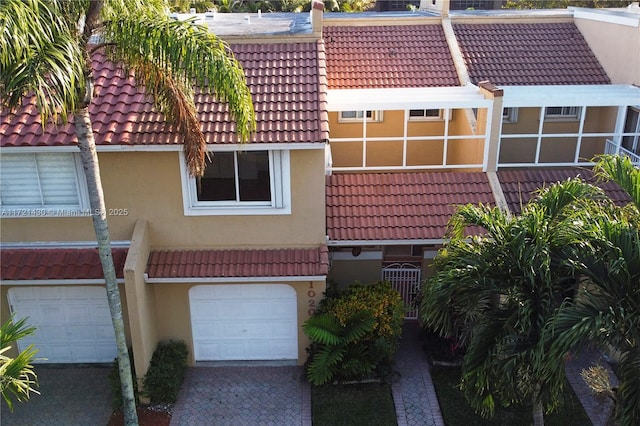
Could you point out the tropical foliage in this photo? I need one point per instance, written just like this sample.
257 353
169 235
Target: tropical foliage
252 6
17 377
496 291
606 312
354 334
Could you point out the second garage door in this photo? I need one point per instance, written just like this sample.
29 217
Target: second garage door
244 322
73 323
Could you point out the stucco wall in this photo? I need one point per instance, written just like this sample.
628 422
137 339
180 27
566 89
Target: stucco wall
616 46
389 152
148 186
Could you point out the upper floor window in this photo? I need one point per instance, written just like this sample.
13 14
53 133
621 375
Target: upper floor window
509 115
631 139
358 115
251 182
42 184
565 112
425 114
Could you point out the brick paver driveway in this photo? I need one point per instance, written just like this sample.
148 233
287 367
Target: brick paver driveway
69 396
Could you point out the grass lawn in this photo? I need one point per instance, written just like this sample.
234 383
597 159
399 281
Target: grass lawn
456 411
368 404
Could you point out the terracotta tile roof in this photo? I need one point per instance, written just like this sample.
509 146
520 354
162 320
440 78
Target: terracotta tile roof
283 79
388 56
528 54
238 263
57 263
519 186
399 206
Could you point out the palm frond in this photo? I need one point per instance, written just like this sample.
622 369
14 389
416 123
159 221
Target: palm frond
39 56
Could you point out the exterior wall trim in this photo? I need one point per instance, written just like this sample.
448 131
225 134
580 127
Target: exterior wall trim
351 243
214 280
60 244
57 282
170 148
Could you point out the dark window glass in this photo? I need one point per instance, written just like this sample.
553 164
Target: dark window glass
231 176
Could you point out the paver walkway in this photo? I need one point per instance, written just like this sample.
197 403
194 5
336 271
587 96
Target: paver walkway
237 396
598 409
414 395
69 396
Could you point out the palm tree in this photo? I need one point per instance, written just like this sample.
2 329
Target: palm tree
45 52
17 377
496 291
606 313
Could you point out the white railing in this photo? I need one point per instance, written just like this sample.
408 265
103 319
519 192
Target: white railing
613 148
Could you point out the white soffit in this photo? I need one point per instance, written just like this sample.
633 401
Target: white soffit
405 98
596 95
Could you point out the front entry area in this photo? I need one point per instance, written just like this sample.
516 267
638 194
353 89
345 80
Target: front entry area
244 322
73 323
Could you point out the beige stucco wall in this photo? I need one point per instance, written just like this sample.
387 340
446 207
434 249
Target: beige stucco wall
346 272
389 152
560 148
148 185
174 316
616 46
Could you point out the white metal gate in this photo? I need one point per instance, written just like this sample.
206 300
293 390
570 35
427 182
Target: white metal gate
404 278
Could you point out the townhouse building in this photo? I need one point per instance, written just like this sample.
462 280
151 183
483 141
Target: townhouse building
371 129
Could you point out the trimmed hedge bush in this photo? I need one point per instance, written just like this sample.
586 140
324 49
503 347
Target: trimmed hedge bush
166 372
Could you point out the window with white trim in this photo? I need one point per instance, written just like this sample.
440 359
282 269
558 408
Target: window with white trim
42 184
631 139
509 115
562 112
425 114
238 183
358 115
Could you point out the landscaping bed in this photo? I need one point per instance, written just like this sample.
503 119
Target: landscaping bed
357 404
456 410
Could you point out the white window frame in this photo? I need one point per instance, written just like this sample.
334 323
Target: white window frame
568 113
509 115
43 210
376 116
280 178
425 117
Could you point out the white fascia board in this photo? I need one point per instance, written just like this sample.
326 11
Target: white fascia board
610 16
57 282
594 95
171 148
214 280
405 98
60 244
351 243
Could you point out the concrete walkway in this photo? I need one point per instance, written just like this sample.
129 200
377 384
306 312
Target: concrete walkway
69 396
598 409
414 395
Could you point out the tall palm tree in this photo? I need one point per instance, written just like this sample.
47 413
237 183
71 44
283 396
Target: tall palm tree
45 52
497 290
606 313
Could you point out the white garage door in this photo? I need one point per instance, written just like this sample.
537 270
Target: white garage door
73 323
244 322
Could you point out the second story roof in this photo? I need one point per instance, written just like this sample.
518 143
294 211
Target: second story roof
528 54
288 95
378 56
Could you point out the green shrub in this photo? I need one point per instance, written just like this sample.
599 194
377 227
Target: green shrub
355 333
166 372
116 384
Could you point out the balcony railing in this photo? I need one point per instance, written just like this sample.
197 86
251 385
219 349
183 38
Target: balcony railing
613 148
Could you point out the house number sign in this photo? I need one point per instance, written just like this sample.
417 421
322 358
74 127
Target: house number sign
311 294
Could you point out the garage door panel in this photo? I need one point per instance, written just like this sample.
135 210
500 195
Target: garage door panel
73 323
246 322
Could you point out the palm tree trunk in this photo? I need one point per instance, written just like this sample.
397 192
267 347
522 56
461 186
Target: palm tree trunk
86 143
538 411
